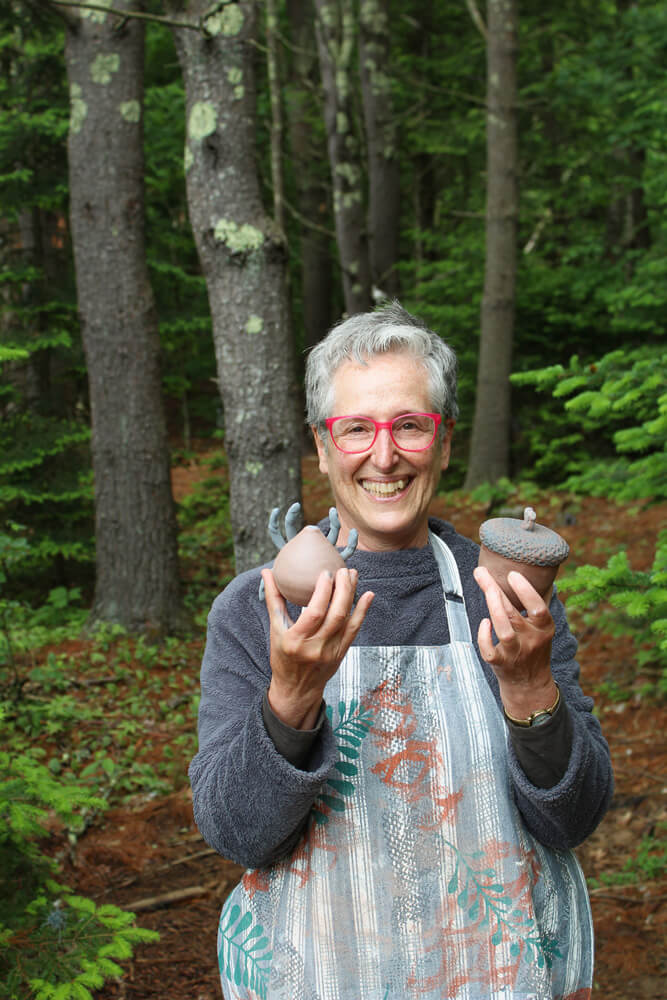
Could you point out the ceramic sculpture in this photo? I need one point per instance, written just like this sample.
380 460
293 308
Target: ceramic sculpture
508 543
305 554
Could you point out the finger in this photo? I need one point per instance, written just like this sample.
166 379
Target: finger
342 602
485 640
529 597
504 617
486 582
275 603
356 619
313 614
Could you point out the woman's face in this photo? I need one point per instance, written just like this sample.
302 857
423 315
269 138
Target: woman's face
384 493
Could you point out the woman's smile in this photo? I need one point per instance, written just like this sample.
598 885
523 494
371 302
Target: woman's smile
385 489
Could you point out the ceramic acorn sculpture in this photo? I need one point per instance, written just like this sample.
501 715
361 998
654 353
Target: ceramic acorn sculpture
530 548
305 554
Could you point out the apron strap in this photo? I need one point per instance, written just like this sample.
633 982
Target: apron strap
452 591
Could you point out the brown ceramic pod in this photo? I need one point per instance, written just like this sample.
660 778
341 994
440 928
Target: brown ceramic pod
300 562
529 548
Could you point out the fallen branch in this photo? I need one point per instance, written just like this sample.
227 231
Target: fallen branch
167 898
618 897
188 857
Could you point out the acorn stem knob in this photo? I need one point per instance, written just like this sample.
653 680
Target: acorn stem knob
529 518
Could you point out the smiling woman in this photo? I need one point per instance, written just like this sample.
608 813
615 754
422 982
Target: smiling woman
405 762
383 491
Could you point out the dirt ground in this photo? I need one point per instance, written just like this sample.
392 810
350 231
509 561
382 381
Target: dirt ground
150 858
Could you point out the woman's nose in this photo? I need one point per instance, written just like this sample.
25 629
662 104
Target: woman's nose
384 449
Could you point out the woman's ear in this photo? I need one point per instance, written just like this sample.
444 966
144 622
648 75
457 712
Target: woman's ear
321 450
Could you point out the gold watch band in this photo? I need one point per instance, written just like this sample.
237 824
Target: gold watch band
534 715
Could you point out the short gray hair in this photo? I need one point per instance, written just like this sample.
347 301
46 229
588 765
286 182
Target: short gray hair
359 338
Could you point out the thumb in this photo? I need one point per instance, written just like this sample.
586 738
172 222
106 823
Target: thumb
275 603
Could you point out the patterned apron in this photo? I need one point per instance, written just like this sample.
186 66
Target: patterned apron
416 877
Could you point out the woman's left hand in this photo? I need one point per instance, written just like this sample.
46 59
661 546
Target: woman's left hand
521 659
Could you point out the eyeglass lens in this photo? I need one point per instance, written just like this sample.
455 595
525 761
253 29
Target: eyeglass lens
410 432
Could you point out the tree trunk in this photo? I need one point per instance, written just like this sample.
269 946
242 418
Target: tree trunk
276 116
627 216
317 247
243 258
137 557
489 451
335 26
383 166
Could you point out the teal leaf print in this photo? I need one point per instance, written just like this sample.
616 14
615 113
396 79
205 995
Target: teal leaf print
344 767
484 898
243 957
353 727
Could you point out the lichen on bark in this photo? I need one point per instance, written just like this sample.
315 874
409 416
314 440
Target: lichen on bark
202 120
255 324
103 66
78 109
130 111
239 239
96 16
228 21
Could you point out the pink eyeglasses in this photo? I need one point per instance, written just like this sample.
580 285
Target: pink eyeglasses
409 431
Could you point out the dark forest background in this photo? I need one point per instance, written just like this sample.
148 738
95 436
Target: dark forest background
191 194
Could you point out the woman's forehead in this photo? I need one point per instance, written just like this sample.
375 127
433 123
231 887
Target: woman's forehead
390 379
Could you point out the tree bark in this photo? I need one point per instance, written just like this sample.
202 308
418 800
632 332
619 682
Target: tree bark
276 116
489 451
335 26
243 257
136 540
381 142
317 249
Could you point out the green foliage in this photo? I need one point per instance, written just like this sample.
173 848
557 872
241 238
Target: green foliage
54 942
617 408
44 459
628 602
647 863
45 486
620 402
205 534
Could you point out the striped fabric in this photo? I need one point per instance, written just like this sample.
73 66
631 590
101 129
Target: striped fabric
416 878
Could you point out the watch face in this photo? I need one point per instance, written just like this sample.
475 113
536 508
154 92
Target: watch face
539 718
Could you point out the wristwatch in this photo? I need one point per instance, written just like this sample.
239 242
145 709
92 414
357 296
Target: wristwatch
537 718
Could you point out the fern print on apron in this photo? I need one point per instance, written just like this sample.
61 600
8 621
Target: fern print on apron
416 877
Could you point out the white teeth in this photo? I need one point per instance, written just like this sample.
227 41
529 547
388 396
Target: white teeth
381 489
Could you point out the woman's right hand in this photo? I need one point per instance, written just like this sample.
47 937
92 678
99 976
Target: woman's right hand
306 653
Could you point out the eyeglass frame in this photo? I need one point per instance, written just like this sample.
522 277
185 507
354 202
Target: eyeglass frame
383 425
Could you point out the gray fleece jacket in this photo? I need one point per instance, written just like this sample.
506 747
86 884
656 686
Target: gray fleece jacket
250 803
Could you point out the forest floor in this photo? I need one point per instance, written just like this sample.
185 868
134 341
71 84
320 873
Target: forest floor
148 857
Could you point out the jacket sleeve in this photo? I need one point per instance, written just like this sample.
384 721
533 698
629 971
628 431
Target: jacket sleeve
250 803
565 814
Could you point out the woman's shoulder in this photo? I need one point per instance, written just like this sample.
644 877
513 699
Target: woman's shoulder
459 544
238 592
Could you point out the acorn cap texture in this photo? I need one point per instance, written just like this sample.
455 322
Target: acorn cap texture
513 539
